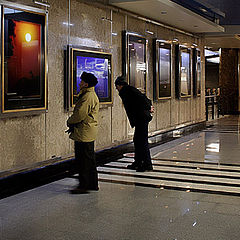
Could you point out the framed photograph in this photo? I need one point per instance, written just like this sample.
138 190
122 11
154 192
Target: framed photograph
97 63
135 60
24 86
183 71
162 69
196 72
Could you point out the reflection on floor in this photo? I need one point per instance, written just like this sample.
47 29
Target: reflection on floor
206 161
144 206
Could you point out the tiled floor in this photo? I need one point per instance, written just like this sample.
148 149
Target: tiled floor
193 193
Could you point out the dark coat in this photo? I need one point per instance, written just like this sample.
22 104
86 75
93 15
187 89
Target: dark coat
136 104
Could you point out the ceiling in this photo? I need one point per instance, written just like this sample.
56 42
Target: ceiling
228 39
173 14
170 13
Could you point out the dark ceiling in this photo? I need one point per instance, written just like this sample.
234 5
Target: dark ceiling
231 8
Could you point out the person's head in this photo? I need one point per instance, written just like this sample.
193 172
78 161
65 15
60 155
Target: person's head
120 82
88 80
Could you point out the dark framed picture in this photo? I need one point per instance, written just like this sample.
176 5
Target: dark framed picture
196 72
24 86
97 63
162 69
135 60
183 71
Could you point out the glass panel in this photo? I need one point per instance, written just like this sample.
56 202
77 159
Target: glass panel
198 72
164 70
185 72
24 68
96 63
137 62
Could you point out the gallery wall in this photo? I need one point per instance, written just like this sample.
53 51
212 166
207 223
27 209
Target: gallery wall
28 139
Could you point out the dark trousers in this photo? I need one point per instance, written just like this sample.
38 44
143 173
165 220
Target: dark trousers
86 165
140 139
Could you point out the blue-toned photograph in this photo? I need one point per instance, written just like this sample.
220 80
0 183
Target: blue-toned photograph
98 67
97 63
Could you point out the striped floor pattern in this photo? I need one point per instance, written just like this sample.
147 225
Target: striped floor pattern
178 175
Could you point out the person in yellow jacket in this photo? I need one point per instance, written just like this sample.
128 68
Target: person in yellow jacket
83 124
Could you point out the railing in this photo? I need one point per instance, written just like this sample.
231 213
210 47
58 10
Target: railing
213 108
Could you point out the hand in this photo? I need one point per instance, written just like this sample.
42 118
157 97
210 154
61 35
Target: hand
70 128
152 109
68 131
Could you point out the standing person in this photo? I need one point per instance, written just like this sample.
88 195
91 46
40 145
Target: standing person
83 130
138 108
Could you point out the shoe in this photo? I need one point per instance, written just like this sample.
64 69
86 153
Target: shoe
144 168
78 190
132 166
93 189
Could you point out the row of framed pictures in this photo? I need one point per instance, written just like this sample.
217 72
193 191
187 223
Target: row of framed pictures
187 68
24 67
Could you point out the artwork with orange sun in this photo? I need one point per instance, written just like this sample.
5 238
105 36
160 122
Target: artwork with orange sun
24 55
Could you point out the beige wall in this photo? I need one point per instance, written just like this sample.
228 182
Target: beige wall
32 139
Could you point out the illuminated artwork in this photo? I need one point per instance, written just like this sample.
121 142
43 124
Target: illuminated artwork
97 63
134 57
24 61
197 81
162 69
198 68
185 80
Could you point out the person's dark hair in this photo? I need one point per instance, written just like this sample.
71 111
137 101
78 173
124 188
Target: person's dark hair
121 81
89 78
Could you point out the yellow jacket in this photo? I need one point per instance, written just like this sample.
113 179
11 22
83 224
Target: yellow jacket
85 116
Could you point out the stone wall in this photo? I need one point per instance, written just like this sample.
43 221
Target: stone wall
32 139
228 81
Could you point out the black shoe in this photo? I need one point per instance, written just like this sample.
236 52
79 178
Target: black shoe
132 166
93 188
144 168
78 190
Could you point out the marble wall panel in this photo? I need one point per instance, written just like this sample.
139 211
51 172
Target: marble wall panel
195 109
90 26
163 114
22 141
189 110
175 112
164 33
119 118
135 25
153 123
56 116
185 110
104 137
198 103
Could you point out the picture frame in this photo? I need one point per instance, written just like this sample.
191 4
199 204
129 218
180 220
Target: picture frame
183 70
96 62
135 60
197 73
24 60
162 69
